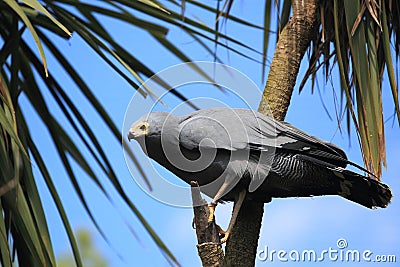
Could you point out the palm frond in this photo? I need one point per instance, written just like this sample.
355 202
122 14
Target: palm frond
362 53
23 226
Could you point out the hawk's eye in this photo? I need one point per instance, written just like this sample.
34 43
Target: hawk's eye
143 127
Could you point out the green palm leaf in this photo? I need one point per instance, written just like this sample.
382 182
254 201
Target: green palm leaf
20 69
362 53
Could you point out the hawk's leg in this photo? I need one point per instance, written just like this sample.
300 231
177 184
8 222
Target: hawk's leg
225 188
235 213
211 208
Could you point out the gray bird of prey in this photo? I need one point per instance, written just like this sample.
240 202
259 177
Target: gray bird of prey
238 154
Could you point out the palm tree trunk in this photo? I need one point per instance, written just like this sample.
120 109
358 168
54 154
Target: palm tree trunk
290 49
293 42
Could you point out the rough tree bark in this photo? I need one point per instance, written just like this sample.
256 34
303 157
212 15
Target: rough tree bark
290 49
293 42
209 247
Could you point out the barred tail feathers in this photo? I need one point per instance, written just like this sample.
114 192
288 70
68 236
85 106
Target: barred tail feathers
363 190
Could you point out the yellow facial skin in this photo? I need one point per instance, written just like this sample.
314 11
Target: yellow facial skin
138 130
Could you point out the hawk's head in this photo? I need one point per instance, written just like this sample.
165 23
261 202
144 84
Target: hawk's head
153 125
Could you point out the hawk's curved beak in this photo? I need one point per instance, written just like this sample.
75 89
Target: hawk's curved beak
138 130
132 135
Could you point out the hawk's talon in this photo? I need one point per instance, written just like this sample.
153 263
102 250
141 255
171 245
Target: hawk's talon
225 238
223 235
220 231
194 223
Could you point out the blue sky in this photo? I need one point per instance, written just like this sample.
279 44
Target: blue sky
309 223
